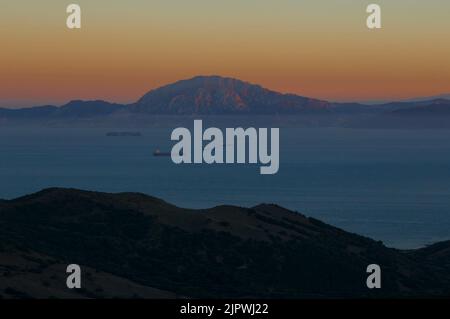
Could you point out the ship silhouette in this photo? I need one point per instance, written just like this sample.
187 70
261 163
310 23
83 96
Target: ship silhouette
158 152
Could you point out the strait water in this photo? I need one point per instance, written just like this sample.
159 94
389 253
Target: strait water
391 185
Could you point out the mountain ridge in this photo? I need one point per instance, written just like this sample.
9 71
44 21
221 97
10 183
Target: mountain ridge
218 96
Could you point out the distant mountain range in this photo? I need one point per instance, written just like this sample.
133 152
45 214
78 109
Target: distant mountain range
416 115
73 109
214 95
429 98
131 245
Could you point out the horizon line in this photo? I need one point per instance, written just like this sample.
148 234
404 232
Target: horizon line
372 101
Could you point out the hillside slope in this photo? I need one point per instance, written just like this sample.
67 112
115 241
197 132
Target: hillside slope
226 251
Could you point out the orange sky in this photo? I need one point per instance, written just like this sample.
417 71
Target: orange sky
314 48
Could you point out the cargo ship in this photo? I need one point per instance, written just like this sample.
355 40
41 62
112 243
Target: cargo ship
158 152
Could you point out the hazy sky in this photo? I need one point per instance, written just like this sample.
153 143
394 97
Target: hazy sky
315 48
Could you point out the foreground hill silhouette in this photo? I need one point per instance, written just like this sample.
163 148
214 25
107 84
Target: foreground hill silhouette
132 245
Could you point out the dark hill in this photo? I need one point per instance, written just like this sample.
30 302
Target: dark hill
226 251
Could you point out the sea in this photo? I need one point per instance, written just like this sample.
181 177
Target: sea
390 185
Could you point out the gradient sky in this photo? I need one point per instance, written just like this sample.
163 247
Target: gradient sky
314 48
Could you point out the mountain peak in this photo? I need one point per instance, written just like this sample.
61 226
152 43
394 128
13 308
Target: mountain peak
209 82
220 95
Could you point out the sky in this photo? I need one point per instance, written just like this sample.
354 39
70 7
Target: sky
314 48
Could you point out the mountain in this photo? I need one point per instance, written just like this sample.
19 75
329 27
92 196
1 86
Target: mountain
428 108
407 100
28 113
218 95
430 98
133 245
73 109
414 115
88 109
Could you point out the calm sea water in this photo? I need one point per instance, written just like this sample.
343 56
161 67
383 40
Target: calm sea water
390 185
